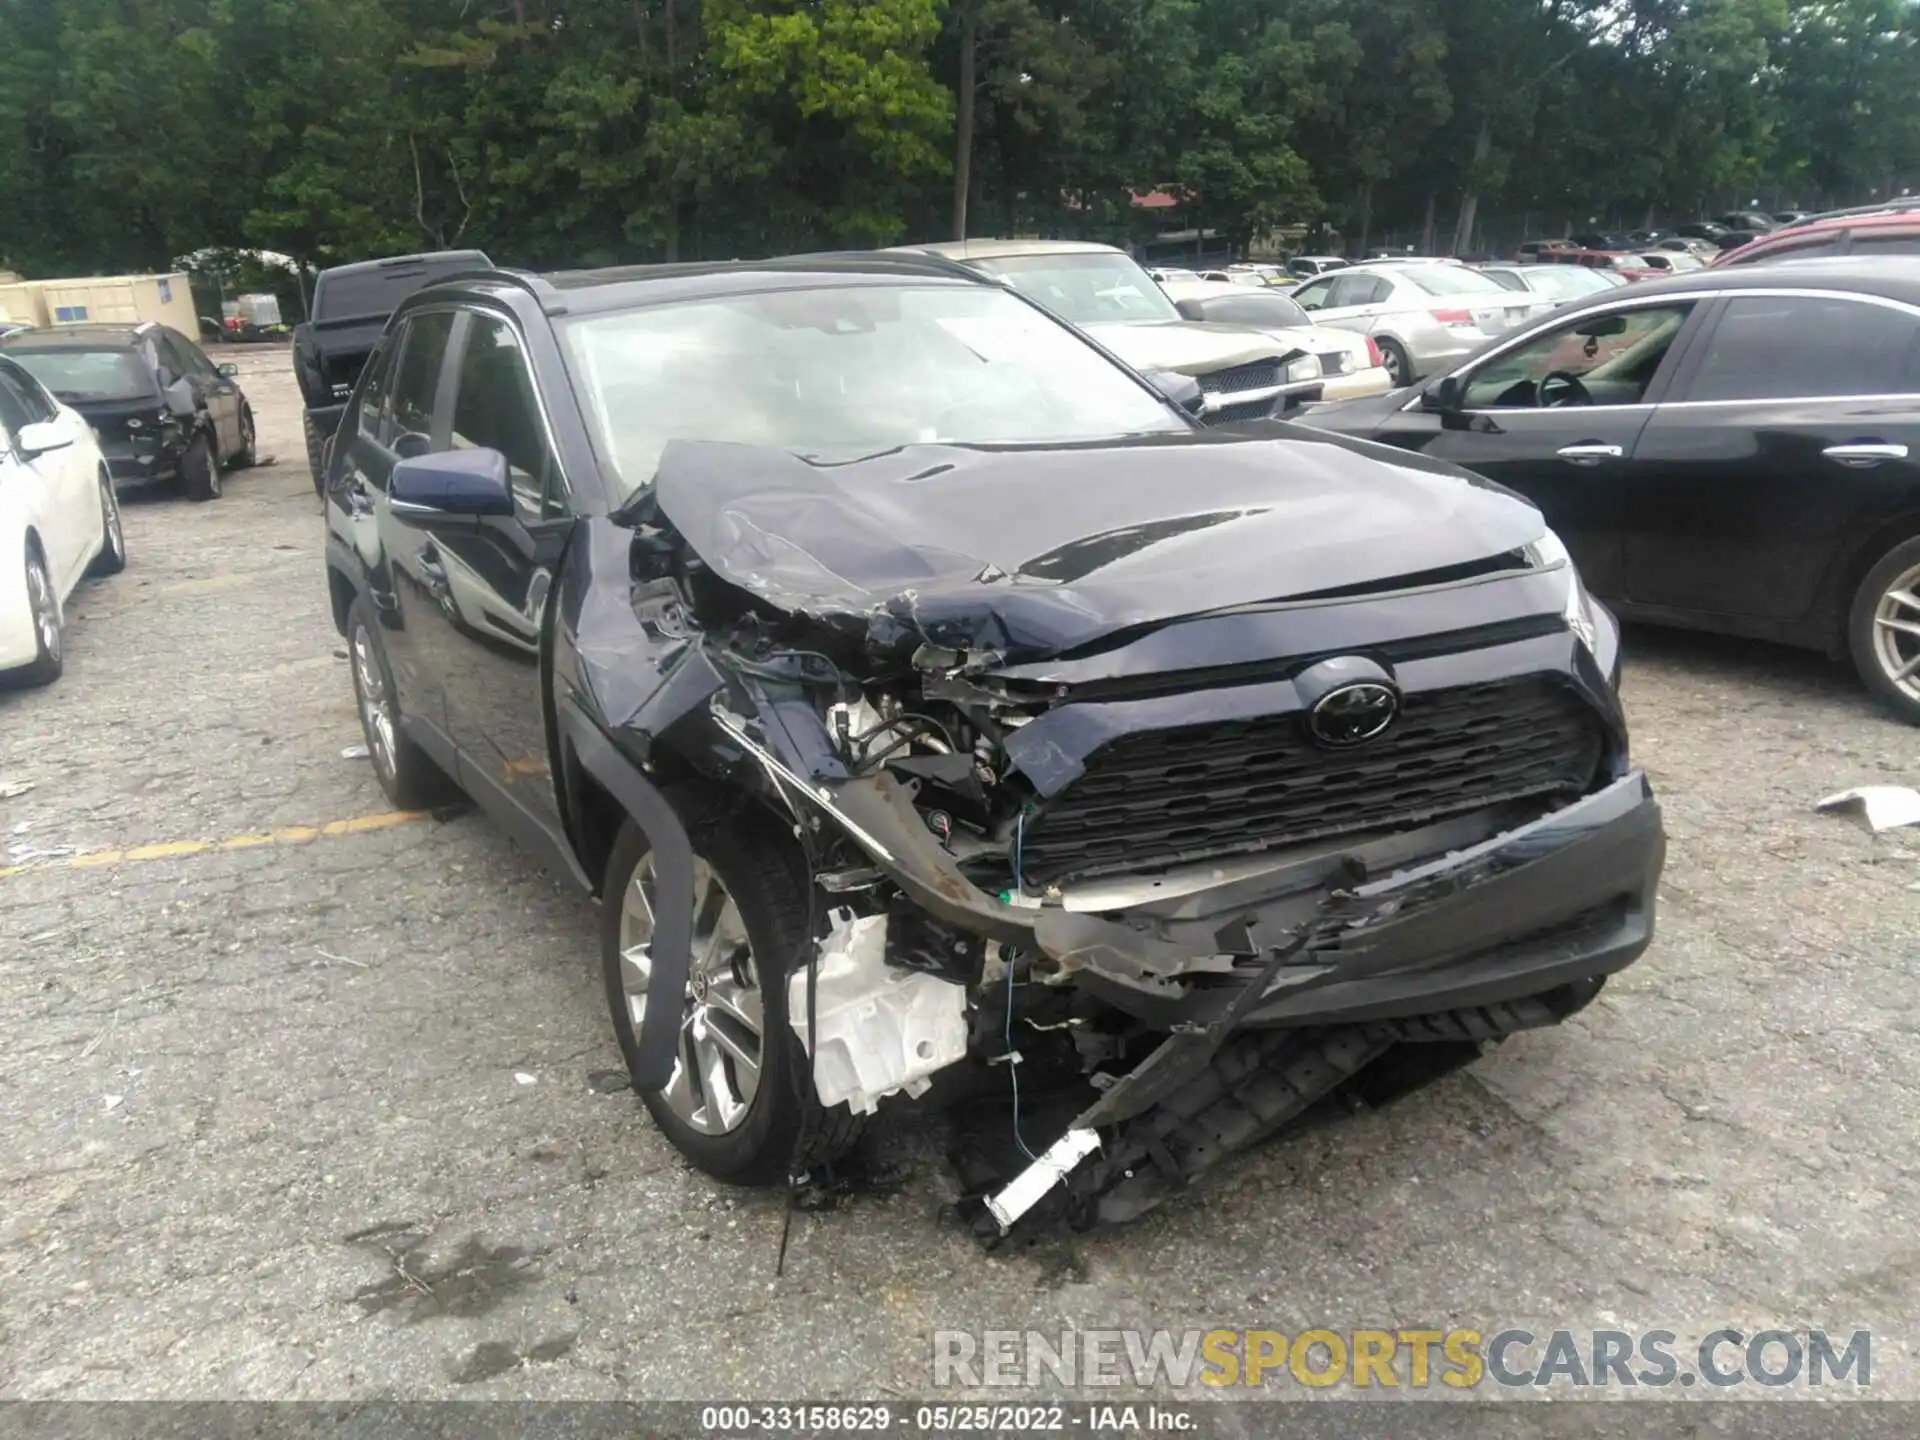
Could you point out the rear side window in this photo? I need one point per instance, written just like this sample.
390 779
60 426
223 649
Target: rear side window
417 378
1360 290
1877 242
497 408
1791 347
1830 243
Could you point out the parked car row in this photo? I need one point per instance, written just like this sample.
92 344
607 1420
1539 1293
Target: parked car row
86 410
59 521
1735 450
1241 369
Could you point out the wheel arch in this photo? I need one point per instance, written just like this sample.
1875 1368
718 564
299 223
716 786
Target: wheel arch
1846 574
340 595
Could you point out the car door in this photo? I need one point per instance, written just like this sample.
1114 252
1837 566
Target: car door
69 513
1792 432
405 409
221 394
1352 302
499 575
1569 455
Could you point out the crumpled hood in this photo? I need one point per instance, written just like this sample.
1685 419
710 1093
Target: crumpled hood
1186 347
1033 551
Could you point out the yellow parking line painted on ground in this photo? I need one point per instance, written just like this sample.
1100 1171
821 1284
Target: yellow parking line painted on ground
171 849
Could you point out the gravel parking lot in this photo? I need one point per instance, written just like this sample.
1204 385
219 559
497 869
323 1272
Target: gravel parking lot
295 1096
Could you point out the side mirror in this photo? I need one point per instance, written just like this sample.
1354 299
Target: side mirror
42 436
451 485
227 372
1444 396
1189 309
1182 390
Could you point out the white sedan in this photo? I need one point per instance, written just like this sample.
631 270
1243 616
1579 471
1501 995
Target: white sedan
1351 363
59 520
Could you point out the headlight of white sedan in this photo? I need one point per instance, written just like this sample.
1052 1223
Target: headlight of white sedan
1307 367
1550 552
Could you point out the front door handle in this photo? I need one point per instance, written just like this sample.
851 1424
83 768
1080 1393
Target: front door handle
1865 453
1589 452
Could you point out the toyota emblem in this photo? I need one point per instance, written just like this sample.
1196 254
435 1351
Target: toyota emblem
1352 714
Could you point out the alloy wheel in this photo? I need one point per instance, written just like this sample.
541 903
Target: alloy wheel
110 507
45 609
716 1070
376 706
1896 632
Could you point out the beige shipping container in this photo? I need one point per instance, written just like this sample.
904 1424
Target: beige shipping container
20 302
104 299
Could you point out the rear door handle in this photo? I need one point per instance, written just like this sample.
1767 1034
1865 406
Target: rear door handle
1866 452
1589 452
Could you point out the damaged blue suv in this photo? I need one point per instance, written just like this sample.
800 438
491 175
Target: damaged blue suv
933 706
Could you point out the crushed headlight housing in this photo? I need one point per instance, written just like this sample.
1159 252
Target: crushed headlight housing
1550 552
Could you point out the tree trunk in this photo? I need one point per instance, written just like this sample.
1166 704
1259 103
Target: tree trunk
963 143
1426 227
673 88
1470 200
1366 214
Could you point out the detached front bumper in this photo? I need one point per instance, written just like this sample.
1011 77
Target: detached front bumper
1567 897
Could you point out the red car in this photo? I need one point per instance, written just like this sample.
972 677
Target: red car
1628 264
1889 229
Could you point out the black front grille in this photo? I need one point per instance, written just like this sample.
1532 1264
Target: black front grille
1158 798
1261 375
1228 414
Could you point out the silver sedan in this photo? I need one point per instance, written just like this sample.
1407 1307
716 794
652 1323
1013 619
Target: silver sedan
1423 316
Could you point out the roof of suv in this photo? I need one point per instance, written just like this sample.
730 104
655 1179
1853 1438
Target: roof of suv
1896 277
999 249
578 292
475 259
80 337
1898 217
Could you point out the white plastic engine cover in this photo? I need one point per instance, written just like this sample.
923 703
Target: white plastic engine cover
882 1030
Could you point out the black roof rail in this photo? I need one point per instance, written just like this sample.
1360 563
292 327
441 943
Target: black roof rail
499 275
1898 205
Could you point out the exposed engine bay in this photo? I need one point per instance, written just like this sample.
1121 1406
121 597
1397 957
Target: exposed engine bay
1196 795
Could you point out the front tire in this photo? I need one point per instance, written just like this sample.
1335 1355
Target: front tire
315 444
741 1105
1883 630
200 468
112 558
410 779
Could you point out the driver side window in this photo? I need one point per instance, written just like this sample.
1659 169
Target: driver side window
1607 359
1313 296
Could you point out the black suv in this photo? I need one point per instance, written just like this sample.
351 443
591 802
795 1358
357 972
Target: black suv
161 408
904 673
351 304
